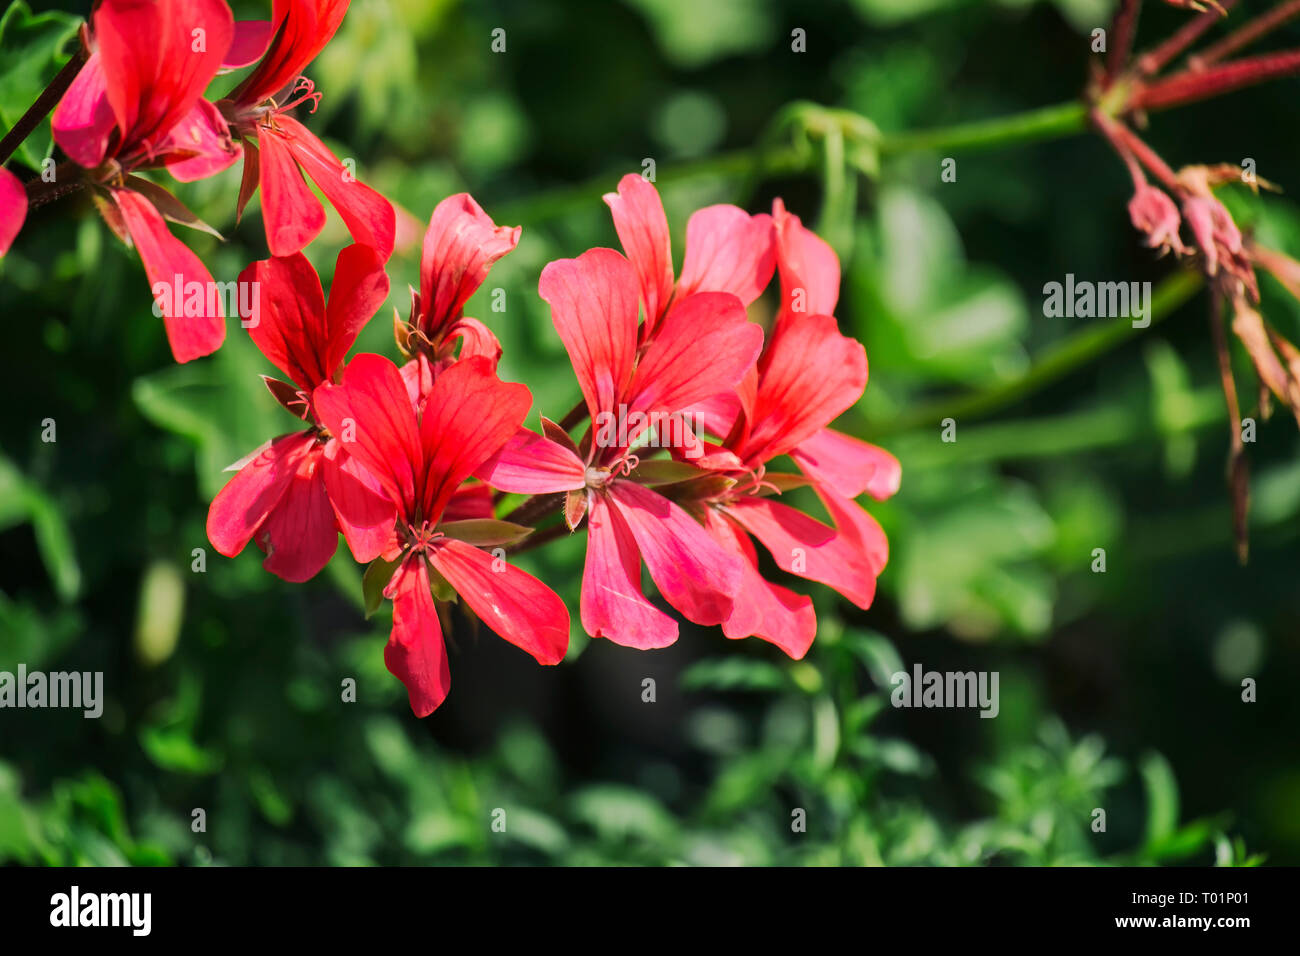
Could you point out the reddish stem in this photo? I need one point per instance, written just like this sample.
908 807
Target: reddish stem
1248 34
1121 32
1190 86
1155 61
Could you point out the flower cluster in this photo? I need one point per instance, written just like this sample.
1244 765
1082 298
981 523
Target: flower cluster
408 462
1120 96
404 460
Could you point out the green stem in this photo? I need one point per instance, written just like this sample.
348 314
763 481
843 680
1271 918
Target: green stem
1057 362
1049 122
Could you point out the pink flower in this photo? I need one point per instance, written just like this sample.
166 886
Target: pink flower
460 246
284 149
1155 215
137 103
13 209
295 494
727 250
701 346
422 460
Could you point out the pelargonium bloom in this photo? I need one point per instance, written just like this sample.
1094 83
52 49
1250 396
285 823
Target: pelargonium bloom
295 494
421 459
460 247
727 250
278 149
702 346
138 103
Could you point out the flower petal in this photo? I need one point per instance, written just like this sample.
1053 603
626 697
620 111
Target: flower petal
13 209
593 301
809 268
529 464
158 58
460 246
299 29
693 573
372 416
357 292
83 122
642 228
511 602
468 415
762 609
365 514
288 322
201 139
250 42
291 213
848 465
416 654
369 216
727 250
802 545
243 504
702 348
612 603
300 536
809 375
174 272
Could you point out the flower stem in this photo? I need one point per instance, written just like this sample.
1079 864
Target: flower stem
48 99
1049 122
1248 34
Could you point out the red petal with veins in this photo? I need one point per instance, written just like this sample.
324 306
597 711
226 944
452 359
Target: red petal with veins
513 603
369 216
169 264
642 228
593 301
416 654
460 246
727 250
612 603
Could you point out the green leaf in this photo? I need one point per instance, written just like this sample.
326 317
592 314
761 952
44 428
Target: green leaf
1162 798
376 578
733 673
32 51
665 471
485 532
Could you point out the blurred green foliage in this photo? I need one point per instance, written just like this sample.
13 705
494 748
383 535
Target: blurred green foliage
224 684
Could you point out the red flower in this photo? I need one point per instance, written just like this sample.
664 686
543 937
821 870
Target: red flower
258 111
295 493
807 376
137 103
460 246
13 209
421 460
727 250
701 346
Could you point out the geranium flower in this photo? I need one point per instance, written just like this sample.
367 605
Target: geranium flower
421 460
727 250
294 494
278 149
460 247
137 103
701 346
